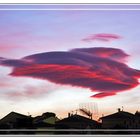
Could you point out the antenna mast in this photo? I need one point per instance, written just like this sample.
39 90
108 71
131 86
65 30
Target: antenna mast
88 109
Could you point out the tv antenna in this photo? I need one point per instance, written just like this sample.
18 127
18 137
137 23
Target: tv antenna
89 109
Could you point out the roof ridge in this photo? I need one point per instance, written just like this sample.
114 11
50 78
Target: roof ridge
17 113
82 117
123 113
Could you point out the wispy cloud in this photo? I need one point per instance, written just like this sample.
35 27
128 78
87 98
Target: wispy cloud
104 37
29 92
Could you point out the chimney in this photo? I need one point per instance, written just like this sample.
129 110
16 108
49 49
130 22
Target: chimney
69 114
119 109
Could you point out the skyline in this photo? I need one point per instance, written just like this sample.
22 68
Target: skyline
25 33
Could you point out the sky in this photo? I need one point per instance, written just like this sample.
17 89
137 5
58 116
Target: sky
56 57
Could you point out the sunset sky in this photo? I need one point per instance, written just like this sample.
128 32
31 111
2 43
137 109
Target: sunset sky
55 57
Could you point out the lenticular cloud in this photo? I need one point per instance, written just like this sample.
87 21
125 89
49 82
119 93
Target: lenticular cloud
103 37
99 69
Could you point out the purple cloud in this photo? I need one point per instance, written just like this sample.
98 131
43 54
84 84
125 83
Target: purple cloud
99 69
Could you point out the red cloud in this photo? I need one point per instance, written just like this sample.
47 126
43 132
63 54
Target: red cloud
85 68
103 94
101 37
108 83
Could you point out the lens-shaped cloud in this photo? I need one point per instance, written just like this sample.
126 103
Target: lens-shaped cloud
98 69
101 37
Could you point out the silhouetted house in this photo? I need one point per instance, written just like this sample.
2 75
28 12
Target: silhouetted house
46 120
15 120
137 119
118 120
77 122
44 123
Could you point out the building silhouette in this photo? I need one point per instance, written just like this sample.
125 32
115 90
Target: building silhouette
16 120
73 124
77 124
137 120
121 120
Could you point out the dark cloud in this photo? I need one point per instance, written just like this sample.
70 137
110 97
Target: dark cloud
14 62
113 53
105 37
99 69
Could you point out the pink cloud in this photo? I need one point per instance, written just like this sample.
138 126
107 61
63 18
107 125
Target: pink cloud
104 37
5 84
29 92
98 69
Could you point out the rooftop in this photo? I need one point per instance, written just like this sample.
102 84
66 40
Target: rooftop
119 114
78 118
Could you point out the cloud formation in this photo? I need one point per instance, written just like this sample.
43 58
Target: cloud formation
28 92
101 37
99 69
